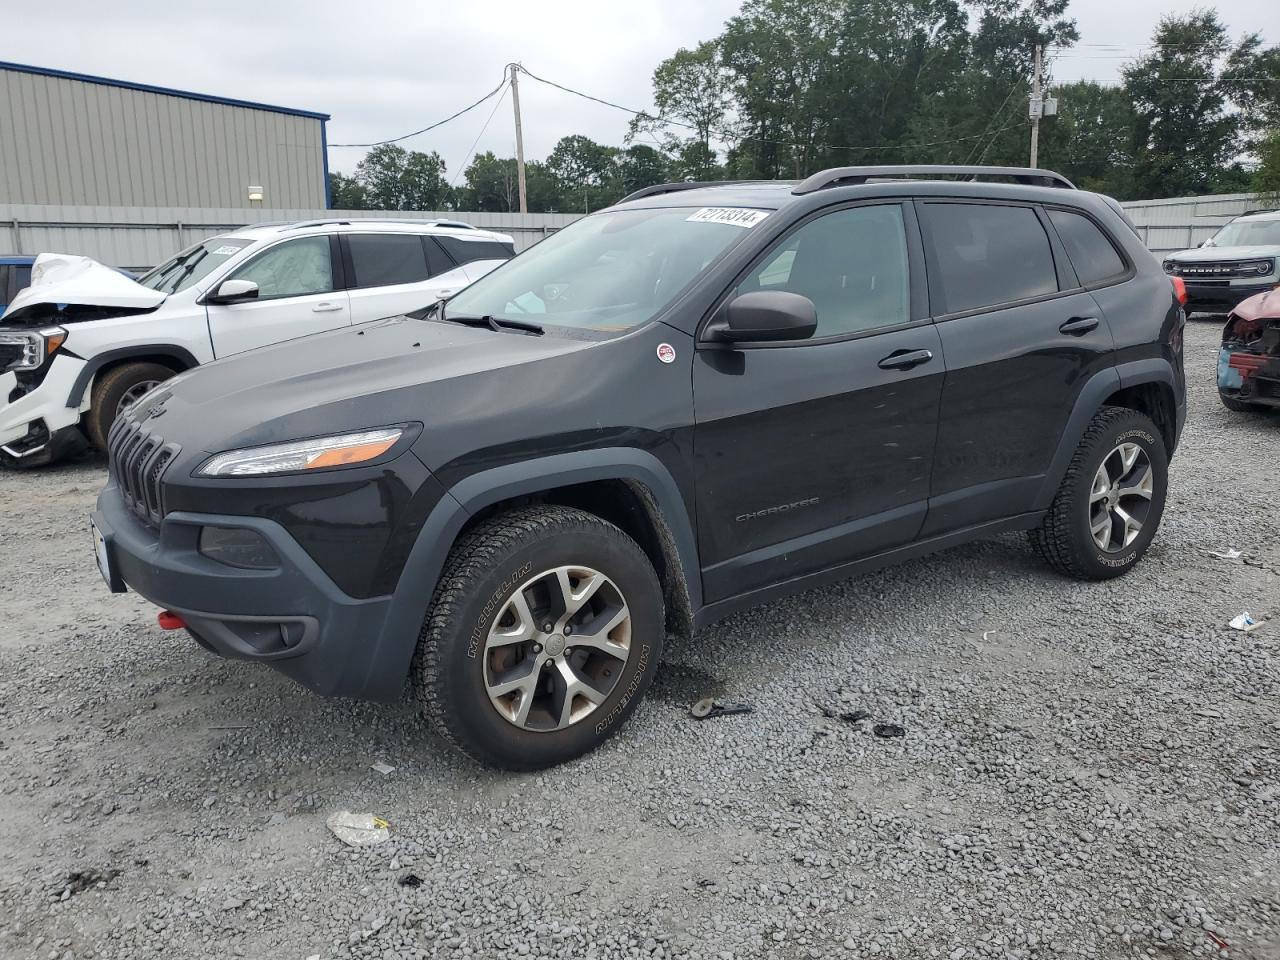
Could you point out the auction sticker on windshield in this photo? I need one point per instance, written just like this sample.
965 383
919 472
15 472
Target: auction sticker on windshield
731 215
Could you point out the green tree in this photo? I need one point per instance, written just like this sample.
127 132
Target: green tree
1091 140
397 179
1184 134
345 193
1266 179
587 173
641 165
492 185
692 93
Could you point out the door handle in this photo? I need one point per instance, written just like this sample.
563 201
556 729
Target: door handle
1078 326
905 359
326 307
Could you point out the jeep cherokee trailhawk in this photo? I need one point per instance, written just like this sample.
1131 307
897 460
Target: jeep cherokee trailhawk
704 397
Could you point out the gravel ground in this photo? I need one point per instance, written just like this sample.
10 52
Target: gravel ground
1086 771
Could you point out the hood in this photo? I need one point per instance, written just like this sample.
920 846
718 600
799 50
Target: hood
1223 254
1264 306
369 375
59 278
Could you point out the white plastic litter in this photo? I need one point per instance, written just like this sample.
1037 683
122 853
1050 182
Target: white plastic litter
1244 622
1231 553
358 829
382 768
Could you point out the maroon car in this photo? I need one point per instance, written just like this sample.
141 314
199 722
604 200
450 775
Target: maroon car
1249 363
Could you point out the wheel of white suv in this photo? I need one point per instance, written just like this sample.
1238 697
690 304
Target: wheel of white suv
545 632
1109 505
116 391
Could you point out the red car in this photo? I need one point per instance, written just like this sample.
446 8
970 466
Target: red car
1249 364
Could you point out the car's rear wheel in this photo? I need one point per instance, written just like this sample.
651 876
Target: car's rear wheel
545 631
1110 502
116 391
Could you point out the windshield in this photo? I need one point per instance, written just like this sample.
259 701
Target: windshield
192 264
1248 233
609 272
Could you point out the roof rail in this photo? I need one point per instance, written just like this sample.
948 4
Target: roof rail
850 176
447 224
658 188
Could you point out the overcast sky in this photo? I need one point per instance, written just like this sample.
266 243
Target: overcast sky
382 68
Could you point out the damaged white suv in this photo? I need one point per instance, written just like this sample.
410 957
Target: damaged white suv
84 342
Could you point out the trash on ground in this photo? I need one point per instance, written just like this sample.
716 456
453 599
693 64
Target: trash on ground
889 730
1209 713
382 768
845 716
410 880
1231 553
358 829
1244 622
704 709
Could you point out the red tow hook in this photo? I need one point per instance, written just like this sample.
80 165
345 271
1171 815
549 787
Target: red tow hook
169 620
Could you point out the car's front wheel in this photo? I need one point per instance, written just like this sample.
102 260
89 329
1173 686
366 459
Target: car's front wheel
545 631
116 391
1111 499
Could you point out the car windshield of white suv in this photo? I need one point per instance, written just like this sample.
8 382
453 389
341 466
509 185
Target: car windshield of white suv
609 272
192 264
1248 233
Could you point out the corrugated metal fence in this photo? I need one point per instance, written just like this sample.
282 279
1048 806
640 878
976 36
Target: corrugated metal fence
1183 222
140 237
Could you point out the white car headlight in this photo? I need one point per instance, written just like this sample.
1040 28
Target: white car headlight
35 346
340 450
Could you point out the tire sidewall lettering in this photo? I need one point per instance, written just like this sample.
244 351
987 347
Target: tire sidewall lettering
493 605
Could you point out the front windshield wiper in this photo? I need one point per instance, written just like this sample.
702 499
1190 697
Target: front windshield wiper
496 324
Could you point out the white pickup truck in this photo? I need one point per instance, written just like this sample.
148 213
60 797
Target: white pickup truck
84 342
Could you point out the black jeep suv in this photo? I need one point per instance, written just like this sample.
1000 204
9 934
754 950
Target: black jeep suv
707 396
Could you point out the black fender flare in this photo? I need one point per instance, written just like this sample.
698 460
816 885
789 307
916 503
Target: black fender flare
93 365
1089 401
416 586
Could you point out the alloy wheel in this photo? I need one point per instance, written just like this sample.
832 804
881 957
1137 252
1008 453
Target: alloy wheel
134 394
1120 497
557 648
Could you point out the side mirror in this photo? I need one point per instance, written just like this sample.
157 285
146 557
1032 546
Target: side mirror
234 291
765 315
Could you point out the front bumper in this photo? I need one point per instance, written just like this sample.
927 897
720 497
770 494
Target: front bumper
293 617
1221 296
47 403
1251 378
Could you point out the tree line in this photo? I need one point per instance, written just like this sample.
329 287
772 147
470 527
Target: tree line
794 86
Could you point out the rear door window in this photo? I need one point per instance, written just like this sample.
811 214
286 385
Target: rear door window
986 254
465 251
1090 252
387 259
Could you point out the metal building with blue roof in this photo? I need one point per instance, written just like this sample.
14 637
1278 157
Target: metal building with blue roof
71 138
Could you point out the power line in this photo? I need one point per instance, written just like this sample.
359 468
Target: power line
471 150
439 123
746 136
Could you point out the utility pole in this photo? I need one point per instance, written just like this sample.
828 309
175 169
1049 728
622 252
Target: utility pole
1037 109
515 101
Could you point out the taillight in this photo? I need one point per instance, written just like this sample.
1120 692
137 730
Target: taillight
1179 289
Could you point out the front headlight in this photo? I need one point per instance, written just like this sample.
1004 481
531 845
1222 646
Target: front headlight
1260 267
1169 266
35 345
340 450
